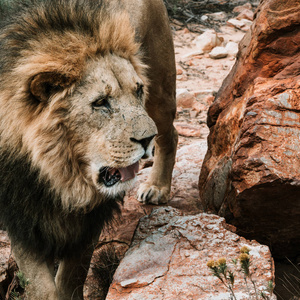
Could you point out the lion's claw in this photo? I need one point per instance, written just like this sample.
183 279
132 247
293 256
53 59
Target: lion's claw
152 194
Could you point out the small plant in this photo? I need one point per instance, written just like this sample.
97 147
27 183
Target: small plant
15 295
220 269
23 281
17 287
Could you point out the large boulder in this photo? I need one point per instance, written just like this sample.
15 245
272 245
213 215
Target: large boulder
168 259
251 172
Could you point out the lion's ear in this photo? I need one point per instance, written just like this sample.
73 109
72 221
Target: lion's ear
45 85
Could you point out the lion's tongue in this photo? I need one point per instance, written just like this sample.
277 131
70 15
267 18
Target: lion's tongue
129 172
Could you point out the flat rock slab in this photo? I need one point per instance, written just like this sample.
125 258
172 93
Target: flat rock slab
169 253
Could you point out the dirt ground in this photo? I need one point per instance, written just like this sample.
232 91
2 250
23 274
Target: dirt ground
202 77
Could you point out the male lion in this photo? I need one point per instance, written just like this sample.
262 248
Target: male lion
78 78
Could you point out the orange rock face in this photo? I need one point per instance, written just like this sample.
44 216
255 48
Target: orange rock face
251 172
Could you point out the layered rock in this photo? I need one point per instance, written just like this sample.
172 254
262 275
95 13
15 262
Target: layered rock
251 172
169 254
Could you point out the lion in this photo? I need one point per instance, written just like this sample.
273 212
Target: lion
87 90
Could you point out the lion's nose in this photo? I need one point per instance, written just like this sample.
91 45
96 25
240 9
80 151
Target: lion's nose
144 142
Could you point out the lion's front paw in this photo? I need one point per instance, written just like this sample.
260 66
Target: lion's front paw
153 194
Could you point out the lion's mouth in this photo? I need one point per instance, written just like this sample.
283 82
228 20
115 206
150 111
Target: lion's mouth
111 176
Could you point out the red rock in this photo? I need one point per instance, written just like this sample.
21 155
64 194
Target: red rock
188 130
184 98
168 259
185 31
190 62
251 170
179 71
240 8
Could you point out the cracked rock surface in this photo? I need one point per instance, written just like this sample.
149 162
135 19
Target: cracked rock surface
169 253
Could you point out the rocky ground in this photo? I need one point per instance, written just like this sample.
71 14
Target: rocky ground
198 79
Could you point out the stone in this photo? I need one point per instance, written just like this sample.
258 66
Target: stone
192 54
184 98
247 23
168 259
251 171
179 71
204 18
208 40
188 130
219 16
246 14
218 52
240 8
232 48
185 31
239 24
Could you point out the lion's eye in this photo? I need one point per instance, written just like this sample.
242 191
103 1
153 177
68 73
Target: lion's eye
139 90
101 102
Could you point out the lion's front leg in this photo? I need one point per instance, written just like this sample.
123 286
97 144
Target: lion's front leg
161 102
71 275
161 107
156 190
39 273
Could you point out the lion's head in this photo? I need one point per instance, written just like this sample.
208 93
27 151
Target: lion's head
72 101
